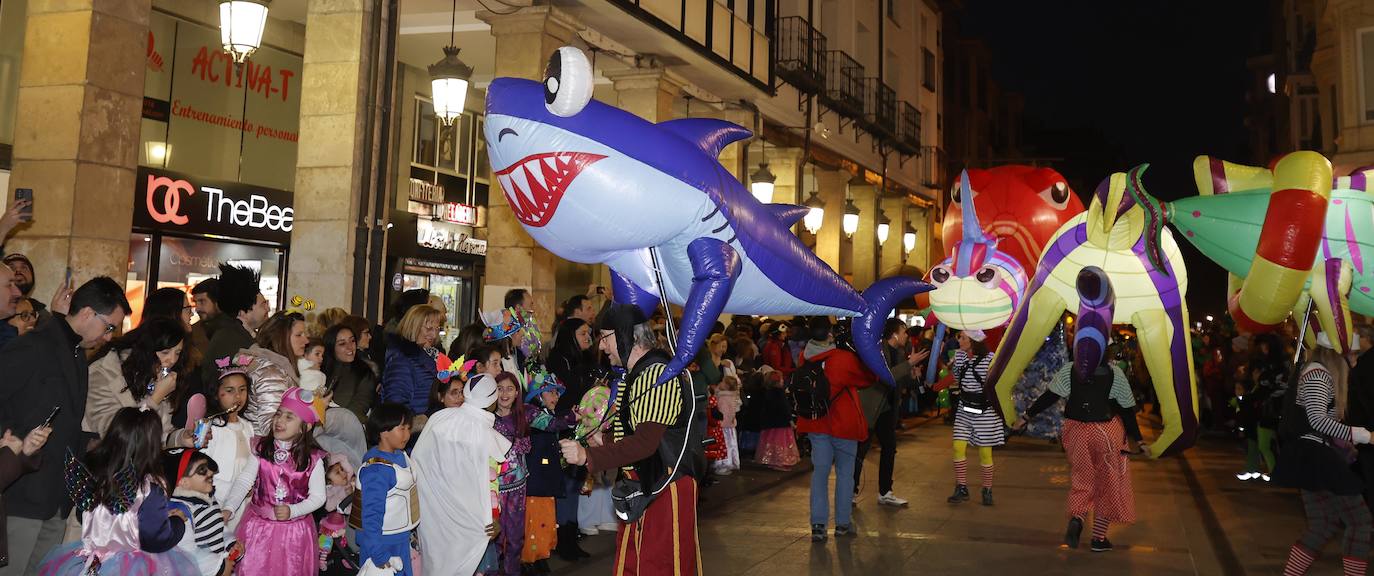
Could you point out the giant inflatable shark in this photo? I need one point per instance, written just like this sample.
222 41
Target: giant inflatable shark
596 184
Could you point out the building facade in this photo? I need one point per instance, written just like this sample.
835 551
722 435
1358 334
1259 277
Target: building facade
320 162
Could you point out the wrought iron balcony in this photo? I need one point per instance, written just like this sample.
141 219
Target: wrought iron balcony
908 138
880 107
844 88
799 50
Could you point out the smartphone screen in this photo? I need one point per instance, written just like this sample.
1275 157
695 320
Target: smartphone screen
25 194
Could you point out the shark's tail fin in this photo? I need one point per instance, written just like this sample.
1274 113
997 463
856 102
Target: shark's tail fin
881 298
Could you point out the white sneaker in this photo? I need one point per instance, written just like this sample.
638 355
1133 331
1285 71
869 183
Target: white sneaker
889 500
1247 476
1264 477
608 527
588 531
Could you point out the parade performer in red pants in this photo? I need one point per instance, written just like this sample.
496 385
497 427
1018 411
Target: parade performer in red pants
1099 414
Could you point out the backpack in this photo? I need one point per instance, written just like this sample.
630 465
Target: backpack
809 390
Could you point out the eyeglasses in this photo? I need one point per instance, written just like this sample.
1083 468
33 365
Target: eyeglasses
202 470
27 315
109 328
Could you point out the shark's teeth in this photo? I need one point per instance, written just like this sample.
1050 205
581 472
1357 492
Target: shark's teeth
548 160
522 186
537 171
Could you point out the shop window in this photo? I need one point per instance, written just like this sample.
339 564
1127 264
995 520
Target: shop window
184 262
452 157
136 283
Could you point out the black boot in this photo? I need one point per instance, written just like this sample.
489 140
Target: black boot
987 496
960 494
1074 533
567 548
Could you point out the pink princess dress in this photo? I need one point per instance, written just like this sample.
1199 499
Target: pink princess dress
286 548
111 542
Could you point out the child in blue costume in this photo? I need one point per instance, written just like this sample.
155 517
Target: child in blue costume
390 503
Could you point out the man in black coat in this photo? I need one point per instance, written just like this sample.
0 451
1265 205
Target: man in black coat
45 370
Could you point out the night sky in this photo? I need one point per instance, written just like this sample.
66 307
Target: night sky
1109 85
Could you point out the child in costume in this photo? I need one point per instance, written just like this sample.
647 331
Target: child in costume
503 555
728 402
595 511
506 330
777 447
231 437
454 458
545 465
390 507
191 472
127 527
340 486
278 532
314 352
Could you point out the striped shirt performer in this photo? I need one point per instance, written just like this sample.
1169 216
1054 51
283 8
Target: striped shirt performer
1317 449
655 442
976 420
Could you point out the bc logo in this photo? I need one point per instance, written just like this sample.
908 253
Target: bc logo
171 199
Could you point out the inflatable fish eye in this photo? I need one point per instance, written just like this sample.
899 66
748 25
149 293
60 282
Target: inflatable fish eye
986 276
939 275
954 193
567 82
1056 195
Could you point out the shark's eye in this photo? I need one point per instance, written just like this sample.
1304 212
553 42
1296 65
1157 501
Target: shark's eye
1057 195
567 82
939 275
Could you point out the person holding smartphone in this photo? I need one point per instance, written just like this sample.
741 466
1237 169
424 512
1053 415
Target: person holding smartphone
138 369
48 368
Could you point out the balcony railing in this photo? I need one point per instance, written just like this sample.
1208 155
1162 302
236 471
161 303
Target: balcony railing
800 53
844 89
880 107
908 138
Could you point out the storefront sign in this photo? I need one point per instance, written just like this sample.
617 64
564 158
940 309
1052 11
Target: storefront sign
175 202
421 191
459 214
443 238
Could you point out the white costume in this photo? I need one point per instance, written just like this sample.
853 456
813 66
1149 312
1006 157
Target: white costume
452 462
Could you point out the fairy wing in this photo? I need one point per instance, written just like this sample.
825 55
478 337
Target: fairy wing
80 483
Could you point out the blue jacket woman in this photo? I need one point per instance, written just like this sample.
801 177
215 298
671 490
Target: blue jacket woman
410 371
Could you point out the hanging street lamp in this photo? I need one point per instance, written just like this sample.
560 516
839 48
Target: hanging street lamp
449 79
241 23
909 238
816 213
884 224
850 222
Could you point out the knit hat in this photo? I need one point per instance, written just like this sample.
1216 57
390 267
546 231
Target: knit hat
298 401
501 323
334 496
975 335
481 391
621 319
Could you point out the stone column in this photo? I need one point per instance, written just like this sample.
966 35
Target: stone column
334 146
76 136
892 255
865 240
830 186
783 163
524 41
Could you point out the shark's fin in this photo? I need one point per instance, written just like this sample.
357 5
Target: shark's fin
788 214
625 291
708 134
715 266
880 298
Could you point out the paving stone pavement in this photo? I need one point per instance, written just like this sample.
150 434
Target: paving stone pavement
1194 518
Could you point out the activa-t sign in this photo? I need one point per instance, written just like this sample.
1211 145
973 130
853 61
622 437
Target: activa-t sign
177 203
